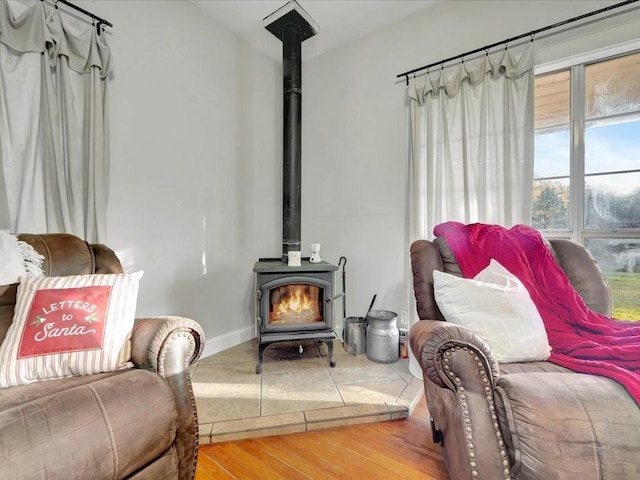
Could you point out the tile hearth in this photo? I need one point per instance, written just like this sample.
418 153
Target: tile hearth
296 391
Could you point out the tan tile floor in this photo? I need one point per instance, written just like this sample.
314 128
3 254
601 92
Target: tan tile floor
296 391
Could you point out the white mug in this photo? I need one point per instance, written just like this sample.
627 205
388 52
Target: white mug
295 258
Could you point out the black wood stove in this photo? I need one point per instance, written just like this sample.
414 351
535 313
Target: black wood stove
293 302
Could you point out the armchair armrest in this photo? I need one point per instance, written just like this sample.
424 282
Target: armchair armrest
166 345
460 376
435 343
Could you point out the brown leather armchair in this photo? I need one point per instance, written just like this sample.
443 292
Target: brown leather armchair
532 420
138 423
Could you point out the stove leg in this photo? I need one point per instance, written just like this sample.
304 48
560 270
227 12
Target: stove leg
332 361
261 347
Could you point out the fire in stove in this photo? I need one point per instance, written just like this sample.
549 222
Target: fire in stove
295 303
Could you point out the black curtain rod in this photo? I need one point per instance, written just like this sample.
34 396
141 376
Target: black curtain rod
512 39
101 21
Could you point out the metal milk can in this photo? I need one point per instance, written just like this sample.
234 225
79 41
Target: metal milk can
382 336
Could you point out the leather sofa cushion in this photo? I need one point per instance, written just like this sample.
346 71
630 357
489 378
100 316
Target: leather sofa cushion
81 427
568 426
165 468
64 254
449 262
584 274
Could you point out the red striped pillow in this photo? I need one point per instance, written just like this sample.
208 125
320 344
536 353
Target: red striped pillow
65 326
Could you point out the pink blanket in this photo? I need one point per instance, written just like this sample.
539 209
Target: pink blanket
581 339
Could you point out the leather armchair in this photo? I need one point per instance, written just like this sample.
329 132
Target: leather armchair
137 423
533 420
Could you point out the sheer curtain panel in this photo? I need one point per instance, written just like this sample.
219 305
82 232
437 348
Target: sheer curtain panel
472 137
54 134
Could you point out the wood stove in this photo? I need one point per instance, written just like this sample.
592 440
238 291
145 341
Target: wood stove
294 303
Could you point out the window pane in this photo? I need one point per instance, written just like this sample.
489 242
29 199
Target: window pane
552 154
552 99
612 201
612 87
612 147
619 259
551 204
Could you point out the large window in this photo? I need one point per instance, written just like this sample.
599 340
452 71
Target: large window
587 168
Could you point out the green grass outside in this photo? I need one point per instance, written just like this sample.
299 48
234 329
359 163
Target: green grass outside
625 290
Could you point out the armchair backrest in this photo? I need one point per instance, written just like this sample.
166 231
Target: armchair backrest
64 255
581 268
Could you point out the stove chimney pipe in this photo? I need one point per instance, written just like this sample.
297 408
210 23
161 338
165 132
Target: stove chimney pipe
292 25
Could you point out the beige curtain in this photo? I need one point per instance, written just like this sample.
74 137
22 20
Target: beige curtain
54 132
472 138
472 133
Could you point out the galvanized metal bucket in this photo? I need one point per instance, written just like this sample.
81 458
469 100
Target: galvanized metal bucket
354 335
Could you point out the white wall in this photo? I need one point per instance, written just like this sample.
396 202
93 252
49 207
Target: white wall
355 128
195 152
196 149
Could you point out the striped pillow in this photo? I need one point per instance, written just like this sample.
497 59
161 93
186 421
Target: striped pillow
65 326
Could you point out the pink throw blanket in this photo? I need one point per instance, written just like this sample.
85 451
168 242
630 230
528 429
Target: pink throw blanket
581 339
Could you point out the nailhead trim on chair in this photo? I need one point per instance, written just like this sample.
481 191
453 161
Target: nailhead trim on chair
462 401
163 352
161 370
192 399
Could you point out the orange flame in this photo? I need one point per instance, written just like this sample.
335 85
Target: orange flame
298 302
295 303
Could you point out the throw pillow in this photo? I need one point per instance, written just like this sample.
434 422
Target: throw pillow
497 306
65 326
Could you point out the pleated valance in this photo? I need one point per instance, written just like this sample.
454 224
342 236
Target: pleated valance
506 64
41 29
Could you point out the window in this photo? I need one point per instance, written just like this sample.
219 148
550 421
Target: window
587 167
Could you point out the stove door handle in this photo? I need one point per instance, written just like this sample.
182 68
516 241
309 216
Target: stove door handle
331 299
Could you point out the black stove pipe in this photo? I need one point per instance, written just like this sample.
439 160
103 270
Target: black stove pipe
292 25
292 140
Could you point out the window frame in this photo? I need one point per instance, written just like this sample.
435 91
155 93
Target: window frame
577 65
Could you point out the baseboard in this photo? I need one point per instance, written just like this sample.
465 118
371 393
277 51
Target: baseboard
228 340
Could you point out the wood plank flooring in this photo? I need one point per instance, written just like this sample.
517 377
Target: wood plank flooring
400 449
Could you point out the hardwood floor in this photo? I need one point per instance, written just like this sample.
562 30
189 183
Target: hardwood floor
400 449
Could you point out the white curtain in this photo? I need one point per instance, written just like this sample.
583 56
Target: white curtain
54 133
472 137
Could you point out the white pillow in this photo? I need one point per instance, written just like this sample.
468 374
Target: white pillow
498 307
64 326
